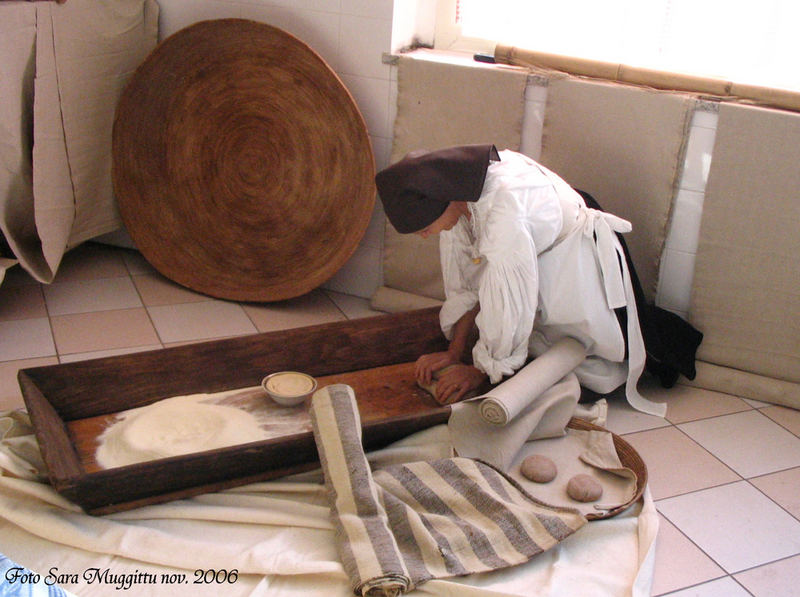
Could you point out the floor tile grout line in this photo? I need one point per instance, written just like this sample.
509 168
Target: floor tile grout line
113 250
716 486
146 308
699 584
249 317
744 588
709 452
743 477
693 491
704 449
50 322
701 550
760 411
129 275
60 354
204 297
756 567
679 529
115 308
724 574
777 472
56 283
708 555
119 351
334 303
708 417
770 498
127 261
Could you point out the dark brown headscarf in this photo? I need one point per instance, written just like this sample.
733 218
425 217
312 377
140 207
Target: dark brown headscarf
416 190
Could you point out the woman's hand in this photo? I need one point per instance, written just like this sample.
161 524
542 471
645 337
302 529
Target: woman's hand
454 383
428 364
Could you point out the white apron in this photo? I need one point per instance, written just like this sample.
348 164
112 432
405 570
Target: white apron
546 268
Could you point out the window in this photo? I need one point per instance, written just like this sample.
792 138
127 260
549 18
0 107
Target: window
747 42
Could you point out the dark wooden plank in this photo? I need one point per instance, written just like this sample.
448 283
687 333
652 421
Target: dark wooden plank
375 355
390 404
108 385
57 450
383 393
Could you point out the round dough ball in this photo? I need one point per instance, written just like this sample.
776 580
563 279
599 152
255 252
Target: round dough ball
538 468
584 488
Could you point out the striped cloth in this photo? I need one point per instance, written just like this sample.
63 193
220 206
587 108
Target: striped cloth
406 524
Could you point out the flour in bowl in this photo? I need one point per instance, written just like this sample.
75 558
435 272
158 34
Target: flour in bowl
290 384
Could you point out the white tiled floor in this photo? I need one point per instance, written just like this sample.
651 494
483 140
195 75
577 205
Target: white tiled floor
724 472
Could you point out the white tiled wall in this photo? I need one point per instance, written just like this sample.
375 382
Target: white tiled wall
677 262
533 119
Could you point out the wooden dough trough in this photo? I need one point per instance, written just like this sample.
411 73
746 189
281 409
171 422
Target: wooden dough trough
71 404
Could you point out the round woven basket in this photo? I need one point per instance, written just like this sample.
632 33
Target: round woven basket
627 456
241 164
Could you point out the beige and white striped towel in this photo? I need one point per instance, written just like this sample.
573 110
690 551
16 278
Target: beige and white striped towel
406 524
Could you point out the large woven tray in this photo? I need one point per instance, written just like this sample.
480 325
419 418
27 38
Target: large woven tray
241 164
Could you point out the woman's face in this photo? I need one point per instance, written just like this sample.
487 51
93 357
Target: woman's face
445 221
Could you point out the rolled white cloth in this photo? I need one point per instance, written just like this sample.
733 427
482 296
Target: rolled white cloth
511 397
546 416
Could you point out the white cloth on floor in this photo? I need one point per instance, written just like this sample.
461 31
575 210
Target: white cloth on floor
277 536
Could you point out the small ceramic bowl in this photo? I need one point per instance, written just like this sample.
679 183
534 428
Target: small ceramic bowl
289 388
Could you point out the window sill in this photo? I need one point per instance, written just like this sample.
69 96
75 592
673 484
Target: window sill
707 88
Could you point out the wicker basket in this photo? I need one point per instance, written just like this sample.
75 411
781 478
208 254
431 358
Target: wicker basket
629 459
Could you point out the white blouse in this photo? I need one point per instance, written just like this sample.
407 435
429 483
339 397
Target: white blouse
542 266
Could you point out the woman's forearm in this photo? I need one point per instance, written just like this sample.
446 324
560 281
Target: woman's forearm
461 333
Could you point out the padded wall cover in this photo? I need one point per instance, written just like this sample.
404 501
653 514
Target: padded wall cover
242 166
623 145
62 68
746 292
